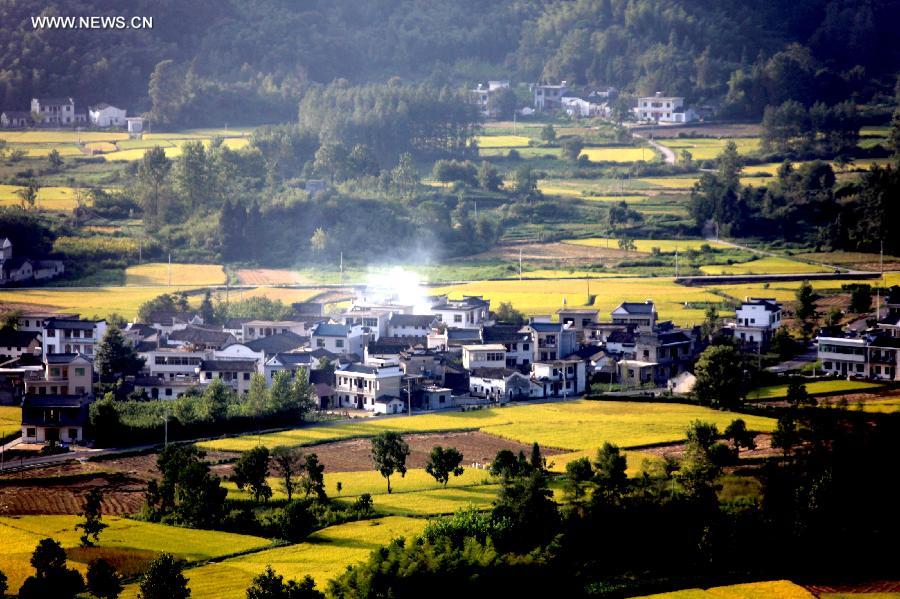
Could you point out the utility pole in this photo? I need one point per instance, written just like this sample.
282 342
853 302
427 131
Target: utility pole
166 427
408 398
342 268
140 250
476 210
676 263
520 264
170 269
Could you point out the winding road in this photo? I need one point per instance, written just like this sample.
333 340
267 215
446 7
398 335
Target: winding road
668 154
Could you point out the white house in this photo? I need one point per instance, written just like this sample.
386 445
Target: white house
560 378
106 115
16 270
471 312
135 126
642 316
256 329
375 320
291 362
54 111
411 325
339 338
549 97
500 384
663 109
485 97
757 320
517 343
234 373
372 388
14 344
15 118
491 355
171 362
71 335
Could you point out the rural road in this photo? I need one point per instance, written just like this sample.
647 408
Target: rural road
668 155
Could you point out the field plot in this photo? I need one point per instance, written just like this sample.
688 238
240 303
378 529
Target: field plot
170 145
775 589
49 198
502 141
89 302
855 260
269 276
61 136
126 542
622 154
686 183
575 425
708 148
769 265
435 502
814 388
43 150
10 420
157 273
586 190
647 245
323 556
786 291
545 297
282 294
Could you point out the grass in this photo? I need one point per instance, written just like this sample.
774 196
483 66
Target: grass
574 425
10 420
22 533
707 148
157 273
647 245
773 589
436 502
546 296
89 302
768 265
323 556
814 388
585 190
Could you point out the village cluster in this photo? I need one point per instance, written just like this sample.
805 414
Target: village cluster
377 357
62 112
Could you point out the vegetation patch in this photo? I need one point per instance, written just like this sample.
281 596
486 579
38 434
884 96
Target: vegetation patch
161 273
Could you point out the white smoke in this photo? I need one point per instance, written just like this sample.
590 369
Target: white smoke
395 285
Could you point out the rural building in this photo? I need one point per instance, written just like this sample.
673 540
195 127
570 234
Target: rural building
275 344
435 397
169 363
756 321
195 337
168 322
158 388
256 329
560 378
411 325
71 335
14 343
491 355
485 98
339 338
291 362
374 320
56 111
63 374
517 343
22 269
549 97
471 312
106 115
641 316
234 373
550 340
54 418
368 387
15 119
671 351
663 109
635 373
500 385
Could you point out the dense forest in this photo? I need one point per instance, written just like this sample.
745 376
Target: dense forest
253 61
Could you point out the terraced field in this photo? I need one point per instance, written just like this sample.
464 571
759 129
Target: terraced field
502 141
647 245
775 589
763 266
813 388
49 198
708 148
158 273
10 420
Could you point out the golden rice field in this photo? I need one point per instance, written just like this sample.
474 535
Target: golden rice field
49 198
282 294
158 273
61 136
547 296
647 245
89 302
502 141
769 265
814 388
889 405
774 589
587 190
10 419
575 425
436 502
623 154
172 148
323 556
708 148
43 150
21 534
787 290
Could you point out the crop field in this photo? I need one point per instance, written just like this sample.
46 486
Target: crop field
786 291
436 502
774 589
49 198
709 148
764 266
814 388
282 294
575 425
585 190
171 146
122 539
89 302
62 136
43 150
623 154
547 296
502 141
685 183
10 420
157 273
323 556
647 245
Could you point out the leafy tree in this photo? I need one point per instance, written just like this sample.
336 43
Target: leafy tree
627 244
313 477
489 178
103 581
363 504
571 147
296 521
739 436
191 174
332 161
524 182
207 311
252 471
153 170
730 165
797 395
536 461
806 304
51 576
719 377
363 161
507 465
444 462
319 240
55 160
93 524
389 452
28 195
258 395
187 494
548 133
700 467
711 322
578 473
506 313
288 461
114 358
861 299
166 92
164 579
269 585
783 343
303 395
609 470
525 504
787 434
214 400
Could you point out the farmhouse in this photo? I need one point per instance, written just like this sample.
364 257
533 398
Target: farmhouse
16 118
339 338
549 97
54 418
368 387
14 343
158 388
560 378
71 335
663 109
550 340
201 338
411 325
257 329
63 374
106 115
234 373
492 355
640 315
499 384
471 312
280 343
56 111
20 270
486 98
756 321
516 342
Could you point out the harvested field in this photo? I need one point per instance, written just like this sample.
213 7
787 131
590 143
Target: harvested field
270 276
355 455
544 252
736 130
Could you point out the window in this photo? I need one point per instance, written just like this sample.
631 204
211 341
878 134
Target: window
207 375
457 318
31 432
79 372
73 434
169 391
320 343
339 343
246 376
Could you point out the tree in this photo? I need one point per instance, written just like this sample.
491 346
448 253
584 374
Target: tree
711 323
686 158
164 579
507 314
806 304
861 299
103 581
444 462
332 161
363 162
258 396
571 147
116 359
627 244
288 461
207 311
252 470
28 195
313 477
787 434
609 469
51 576
719 377
489 178
578 473
729 163
55 160
319 240
93 523
153 169
797 395
296 521
701 466
739 436
525 504
269 585
389 452
507 465
303 395
166 92
524 182
548 134
187 494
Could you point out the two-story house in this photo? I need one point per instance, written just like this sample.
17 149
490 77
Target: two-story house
257 329
490 355
756 321
54 111
549 97
471 312
663 109
550 340
411 325
71 335
560 378
672 352
169 363
235 373
372 388
517 343
63 374
14 343
339 338
641 316
376 321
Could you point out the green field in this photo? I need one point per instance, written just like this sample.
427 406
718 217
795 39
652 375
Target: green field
157 273
765 266
814 388
127 541
708 148
647 245
574 425
10 420
775 589
323 556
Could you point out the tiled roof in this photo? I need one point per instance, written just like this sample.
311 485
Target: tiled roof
326 329
282 342
637 307
197 335
493 373
412 320
228 365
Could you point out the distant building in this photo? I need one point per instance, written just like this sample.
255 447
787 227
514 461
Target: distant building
372 388
756 321
471 312
641 316
22 269
71 335
549 97
234 373
106 115
491 355
485 97
663 109
54 111
16 118
135 125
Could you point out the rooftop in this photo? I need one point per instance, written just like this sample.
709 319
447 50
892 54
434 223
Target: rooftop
228 365
636 307
198 335
493 373
282 342
412 320
327 329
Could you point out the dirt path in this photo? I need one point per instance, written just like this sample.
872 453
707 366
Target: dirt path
668 154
